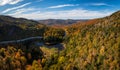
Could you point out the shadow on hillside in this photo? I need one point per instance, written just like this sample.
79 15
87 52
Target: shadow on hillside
59 46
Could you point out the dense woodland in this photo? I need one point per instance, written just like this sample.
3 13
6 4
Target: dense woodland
92 45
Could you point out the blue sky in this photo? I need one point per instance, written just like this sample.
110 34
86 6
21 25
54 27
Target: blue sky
58 9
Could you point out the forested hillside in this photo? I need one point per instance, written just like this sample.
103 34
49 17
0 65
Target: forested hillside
93 45
17 28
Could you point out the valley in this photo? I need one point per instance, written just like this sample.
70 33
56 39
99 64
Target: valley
87 45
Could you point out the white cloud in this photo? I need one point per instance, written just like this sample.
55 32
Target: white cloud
64 5
4 2
14 8
66 14
23 10
98 4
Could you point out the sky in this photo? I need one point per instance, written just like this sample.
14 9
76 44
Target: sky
58 9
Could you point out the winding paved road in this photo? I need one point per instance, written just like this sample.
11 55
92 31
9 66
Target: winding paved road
29 40
22 40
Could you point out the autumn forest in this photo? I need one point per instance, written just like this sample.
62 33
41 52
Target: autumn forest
88 45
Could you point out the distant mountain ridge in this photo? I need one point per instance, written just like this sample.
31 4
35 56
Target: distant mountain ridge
11 20
61 21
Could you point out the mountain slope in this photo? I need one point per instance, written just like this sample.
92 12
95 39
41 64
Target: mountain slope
18 28
12 20
94 45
